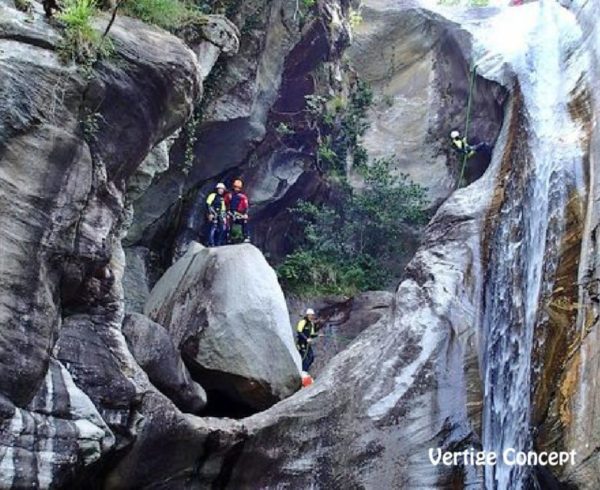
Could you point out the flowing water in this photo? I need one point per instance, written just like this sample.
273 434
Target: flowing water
525 247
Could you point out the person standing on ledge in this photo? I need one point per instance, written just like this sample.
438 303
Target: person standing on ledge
306 331
217 216
237 206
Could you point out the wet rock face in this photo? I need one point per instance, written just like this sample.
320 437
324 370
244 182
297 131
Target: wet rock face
418 68
226 312
63 194
64 160
408 383
58 434
576 402
136 279
282 60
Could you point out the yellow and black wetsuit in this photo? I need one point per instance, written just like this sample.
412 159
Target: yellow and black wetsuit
306 330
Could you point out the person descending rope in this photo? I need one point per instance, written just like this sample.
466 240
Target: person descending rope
217 216
237 206
461 145
306 331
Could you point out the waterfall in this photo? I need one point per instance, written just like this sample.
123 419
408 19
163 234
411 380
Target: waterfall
525 246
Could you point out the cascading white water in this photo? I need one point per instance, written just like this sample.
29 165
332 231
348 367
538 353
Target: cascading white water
525 248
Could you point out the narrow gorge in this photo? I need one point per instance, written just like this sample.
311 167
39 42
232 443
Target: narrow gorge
134 356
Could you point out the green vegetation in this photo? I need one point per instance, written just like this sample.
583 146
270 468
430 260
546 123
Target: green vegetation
191 137
190 134
91 125
355 19
81 42
84 44
304 9
339 124
284 130
168 14
353 246
352 242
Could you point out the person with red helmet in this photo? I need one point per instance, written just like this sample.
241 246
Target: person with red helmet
237 207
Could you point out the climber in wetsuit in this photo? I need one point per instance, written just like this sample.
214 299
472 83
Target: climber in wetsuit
237 208
217 216
464 148
306 331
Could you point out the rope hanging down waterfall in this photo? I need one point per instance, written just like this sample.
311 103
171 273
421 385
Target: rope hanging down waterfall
469 103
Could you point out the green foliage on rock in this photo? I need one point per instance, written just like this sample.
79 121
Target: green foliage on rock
168 14
349 247
81 42
339 124
355 19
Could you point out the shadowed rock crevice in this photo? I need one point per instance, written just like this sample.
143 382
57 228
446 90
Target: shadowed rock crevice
237 133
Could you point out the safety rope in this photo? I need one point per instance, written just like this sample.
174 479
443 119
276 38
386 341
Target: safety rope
466 140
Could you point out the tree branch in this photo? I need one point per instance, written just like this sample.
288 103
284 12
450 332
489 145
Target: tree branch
112 20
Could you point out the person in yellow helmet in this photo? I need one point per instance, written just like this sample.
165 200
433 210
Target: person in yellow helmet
217 216
237 207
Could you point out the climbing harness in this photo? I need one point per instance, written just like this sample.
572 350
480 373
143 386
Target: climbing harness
466 136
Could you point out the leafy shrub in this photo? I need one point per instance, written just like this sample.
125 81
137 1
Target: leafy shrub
349 247
339 124
311 273
284 130
355 19
81 42
168 14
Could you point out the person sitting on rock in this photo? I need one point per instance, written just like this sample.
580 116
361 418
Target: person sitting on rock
217 216
237 206
461 145
306 331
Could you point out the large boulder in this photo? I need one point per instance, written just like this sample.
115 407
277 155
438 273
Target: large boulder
226 311
155 352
